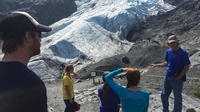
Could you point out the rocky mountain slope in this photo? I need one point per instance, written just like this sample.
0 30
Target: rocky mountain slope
150 36
45 11
96 31
174 2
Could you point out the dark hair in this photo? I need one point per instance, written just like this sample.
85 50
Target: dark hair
133 77
11 44
105 87
67 69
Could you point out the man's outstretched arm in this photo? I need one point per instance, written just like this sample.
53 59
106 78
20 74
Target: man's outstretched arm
163 64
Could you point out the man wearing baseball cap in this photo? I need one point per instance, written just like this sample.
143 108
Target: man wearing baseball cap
21 90
177 62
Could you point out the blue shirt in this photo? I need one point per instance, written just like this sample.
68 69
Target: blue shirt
21 90
176 60
111 104
132 101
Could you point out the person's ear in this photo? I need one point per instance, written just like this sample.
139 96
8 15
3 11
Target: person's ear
167 44
28 37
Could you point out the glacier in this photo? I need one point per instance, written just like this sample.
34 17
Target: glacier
96 31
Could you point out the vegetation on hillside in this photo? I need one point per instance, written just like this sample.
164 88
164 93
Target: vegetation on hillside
196 90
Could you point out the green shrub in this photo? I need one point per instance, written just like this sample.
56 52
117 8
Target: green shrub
196 91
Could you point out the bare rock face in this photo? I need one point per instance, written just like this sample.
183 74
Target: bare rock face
140 55
181 21
174 2
45 11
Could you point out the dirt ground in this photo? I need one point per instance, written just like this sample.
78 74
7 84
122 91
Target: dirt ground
55 100
86 94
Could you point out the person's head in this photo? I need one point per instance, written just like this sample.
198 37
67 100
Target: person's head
68 68
172 41
18 28
103 77
105 86
133 77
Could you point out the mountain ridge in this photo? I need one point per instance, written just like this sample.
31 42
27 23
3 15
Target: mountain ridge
45 11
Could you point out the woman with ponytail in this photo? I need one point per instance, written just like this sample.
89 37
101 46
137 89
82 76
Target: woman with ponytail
68 87
132 98
109 99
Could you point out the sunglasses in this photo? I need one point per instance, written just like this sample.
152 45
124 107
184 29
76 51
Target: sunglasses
172 43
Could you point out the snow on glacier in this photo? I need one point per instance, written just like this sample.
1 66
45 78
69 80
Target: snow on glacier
98 29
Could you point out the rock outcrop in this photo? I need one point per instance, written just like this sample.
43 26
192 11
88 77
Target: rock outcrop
45 11
174 2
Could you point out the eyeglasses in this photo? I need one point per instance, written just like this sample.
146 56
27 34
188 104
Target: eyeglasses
172 42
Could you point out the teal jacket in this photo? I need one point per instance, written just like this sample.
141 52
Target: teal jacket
132 101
